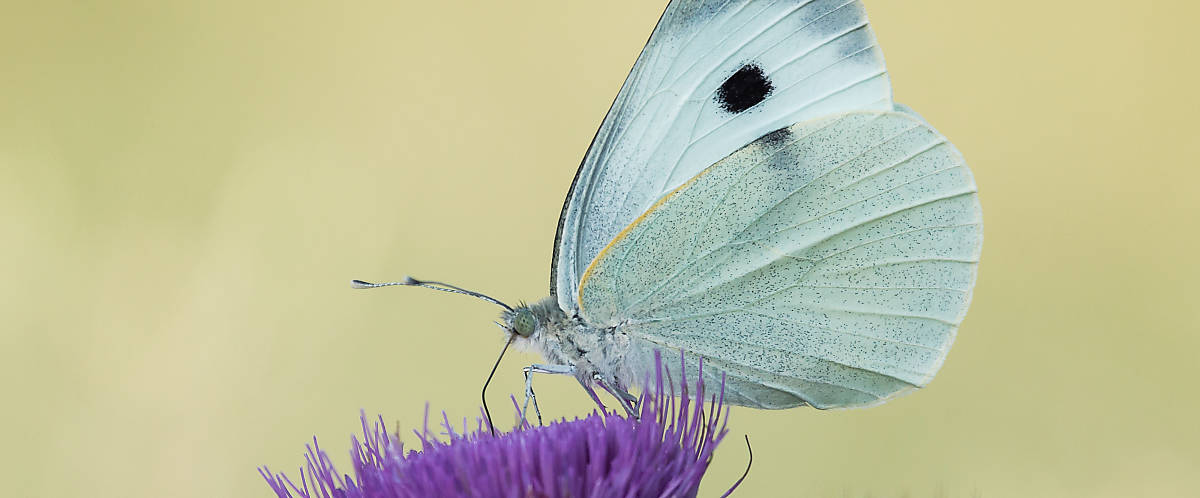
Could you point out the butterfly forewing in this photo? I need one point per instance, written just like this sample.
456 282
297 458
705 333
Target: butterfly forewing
715 76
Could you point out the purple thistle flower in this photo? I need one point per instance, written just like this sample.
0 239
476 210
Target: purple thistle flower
665 452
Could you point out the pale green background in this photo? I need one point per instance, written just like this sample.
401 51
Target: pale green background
187 188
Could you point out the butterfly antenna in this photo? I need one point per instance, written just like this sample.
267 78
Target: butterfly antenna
429 284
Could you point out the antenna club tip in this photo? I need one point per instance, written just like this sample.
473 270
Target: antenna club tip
361 284
410 281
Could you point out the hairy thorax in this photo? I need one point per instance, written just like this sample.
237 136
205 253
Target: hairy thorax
567 340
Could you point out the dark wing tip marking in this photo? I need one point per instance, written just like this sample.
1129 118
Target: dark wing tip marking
745 89
777 138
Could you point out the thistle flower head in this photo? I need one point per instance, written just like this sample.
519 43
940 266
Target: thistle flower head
664 452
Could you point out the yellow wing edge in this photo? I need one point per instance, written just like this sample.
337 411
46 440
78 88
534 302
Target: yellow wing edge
628 228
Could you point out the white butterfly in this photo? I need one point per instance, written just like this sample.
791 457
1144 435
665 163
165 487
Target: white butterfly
755 199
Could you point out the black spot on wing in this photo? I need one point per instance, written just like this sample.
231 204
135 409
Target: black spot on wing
745 89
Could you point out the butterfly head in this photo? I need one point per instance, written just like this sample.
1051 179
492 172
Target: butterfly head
529 324
522 322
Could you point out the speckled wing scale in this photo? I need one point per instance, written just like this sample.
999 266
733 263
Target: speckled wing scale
755 198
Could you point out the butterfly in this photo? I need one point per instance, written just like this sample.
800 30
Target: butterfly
756 201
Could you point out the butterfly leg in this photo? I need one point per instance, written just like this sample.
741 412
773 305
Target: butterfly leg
630 398
623 397
592 392
529 395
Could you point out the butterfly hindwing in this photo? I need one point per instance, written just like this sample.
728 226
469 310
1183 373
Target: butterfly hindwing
715 76
828 263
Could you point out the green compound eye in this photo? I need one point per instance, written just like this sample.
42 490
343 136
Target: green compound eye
524 323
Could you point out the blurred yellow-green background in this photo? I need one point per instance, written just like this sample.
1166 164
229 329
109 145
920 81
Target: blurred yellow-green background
186 189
